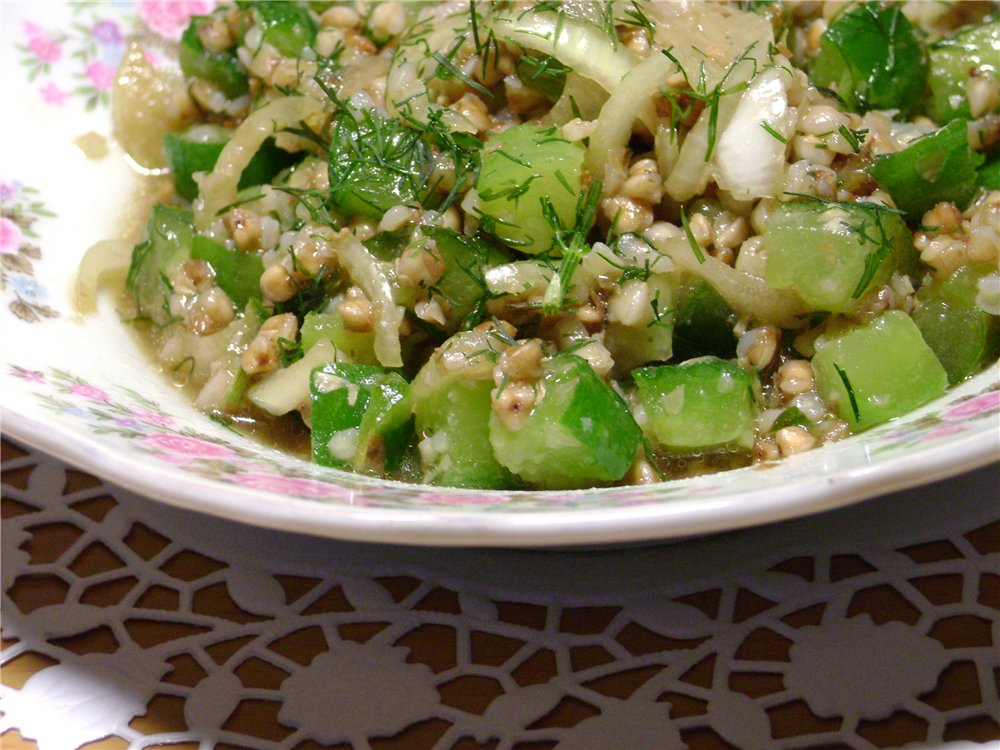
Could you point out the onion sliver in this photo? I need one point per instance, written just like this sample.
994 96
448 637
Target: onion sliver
587 50
629 100
371 275
765 103
746 294
105 262
218 188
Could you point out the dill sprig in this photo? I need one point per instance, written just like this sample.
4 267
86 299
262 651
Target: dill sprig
695 247
571 240
850 392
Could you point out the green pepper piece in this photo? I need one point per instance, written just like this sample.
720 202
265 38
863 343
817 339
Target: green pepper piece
166 244
198 149
220 68
360 416
376 163
962 336
286 26
579 433
872 57
699 405
237 273
878 371
953 60
938 167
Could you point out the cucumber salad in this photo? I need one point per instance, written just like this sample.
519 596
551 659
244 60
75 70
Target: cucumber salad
538 244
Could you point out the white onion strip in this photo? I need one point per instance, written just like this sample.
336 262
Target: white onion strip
104 262
371 275
629 100
218 188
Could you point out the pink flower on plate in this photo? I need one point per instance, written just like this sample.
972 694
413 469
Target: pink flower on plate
10 236
178 445
944 431
101 75
53 94
152 418
175 459
30 376
287 485
459 498
42 45
983 403
90 392
168 18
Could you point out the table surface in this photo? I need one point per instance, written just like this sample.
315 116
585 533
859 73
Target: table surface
130 624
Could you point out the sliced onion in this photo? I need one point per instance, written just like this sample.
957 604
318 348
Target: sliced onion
586 49
748 295
581 97
372 276
218 188
765 102
630 100
105 262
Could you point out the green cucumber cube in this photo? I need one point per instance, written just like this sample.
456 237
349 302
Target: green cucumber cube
463 284
697 405
288 27
360 416
703 323
953 60
354 346
220 68
580 432
451 416
831 254
878 371
521 166
165 246
963 337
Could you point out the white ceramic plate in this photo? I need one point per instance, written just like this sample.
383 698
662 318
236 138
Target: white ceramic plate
81 389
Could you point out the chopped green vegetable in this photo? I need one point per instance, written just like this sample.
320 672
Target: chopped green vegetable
543 74
166 244
578 434
878 371
952 63
962 336
376 163
222 69
352 346
938 167
698 405
463 285
831 254
873 58
237 273
197 150
521 166
286 26
988 175
703 323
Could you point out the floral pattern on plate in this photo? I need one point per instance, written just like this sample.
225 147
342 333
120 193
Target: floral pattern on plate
20 207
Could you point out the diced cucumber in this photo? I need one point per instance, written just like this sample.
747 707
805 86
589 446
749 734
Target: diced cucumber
237 273
938 167
636 344
703 323
579 433
197 150
166 244
953 60
360 416
831 254
545 75
878 371
286 26
452 405
962 336
989 175
463 284
521 166
353 346
698 405
376 163
220 68
287 389
451 420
